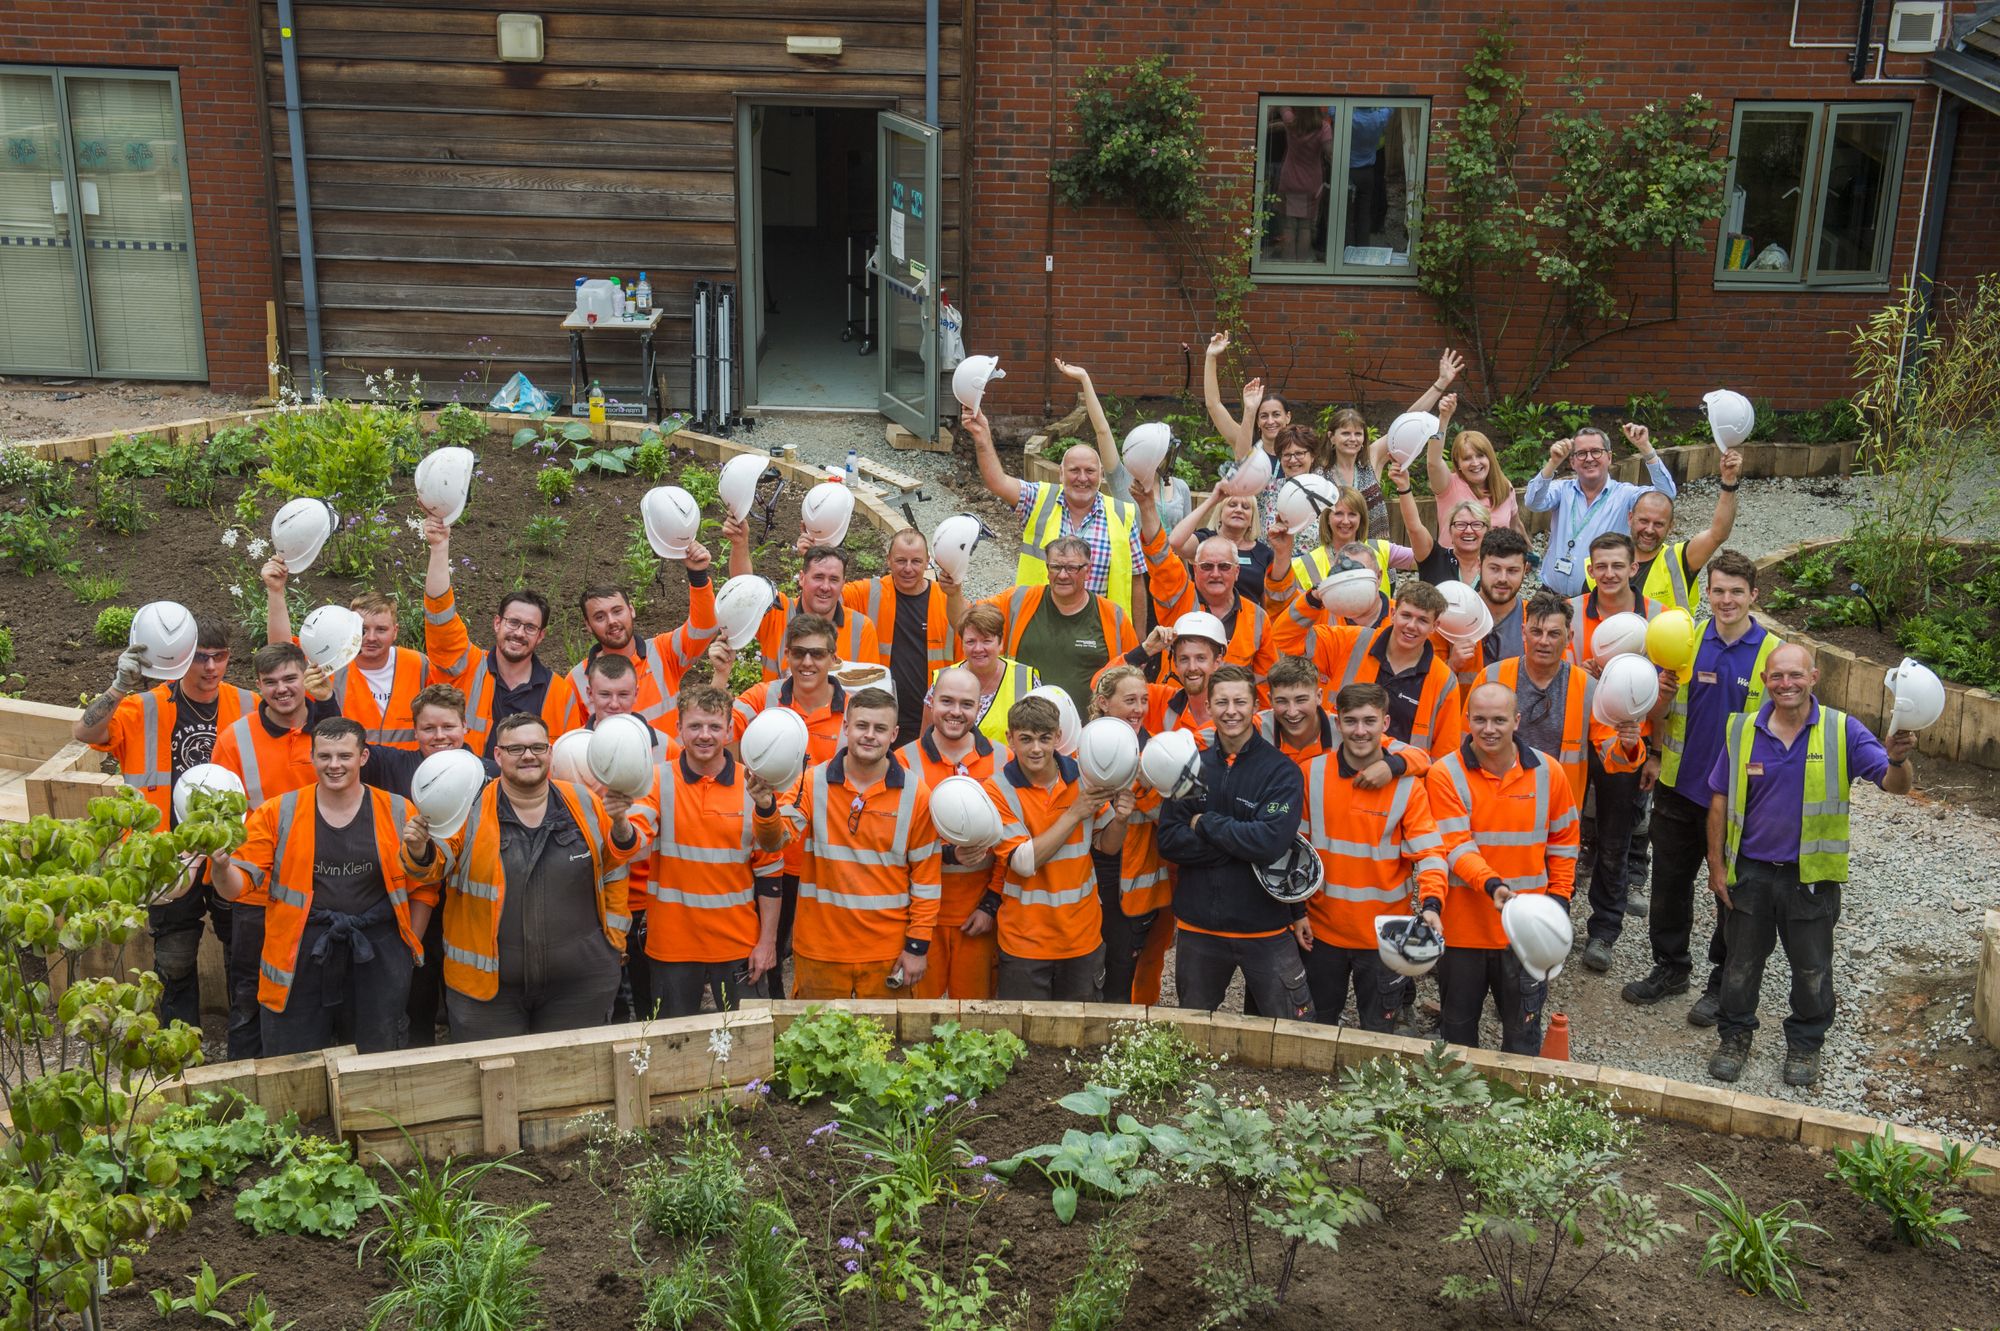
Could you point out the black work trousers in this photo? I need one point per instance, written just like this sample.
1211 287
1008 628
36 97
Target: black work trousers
1769 906
1617 810
246 954
336 1000
1466 975
1052 980
1680 848
1378 991
176 929
1124 935
1273 976
677 986
427 986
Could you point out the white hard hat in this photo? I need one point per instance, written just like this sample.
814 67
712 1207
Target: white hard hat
969 379
825 512
1627 690
1249 476
165 632
621 754
740 608
738 483
300 530
1071 725
1171 764
1919 695
1539 931
443 479
964 814
774 746
1350 593
1731 418
1618 635
1146 448
1407 944
1408 434
1201 624
331 637
568 756
444 789
952 543
1302 498
672 518
1466 617
203 776
1108 752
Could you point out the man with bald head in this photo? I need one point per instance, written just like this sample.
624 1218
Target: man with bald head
1777 852
1510 828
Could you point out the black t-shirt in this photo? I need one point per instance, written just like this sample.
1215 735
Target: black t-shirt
194 730
909 658
347 867
1441 565
1251 566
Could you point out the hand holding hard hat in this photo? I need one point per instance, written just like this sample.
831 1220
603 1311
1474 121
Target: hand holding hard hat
568 759
1146 448
738 482
740 608
1466 618
952 544
825 512
672 518
443 480
444 789
1627 691
301 530
1250 476
164 632
1408 434
964 815
620 755
1171 764
970 378
331 638
1672 639
774 746
1302 498
1350 593
1918 693
1539 931
1731 418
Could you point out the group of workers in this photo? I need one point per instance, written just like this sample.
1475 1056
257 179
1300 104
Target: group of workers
1432 779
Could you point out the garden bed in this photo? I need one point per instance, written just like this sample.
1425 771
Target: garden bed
599 1253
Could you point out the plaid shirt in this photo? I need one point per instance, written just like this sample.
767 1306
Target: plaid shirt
1095 529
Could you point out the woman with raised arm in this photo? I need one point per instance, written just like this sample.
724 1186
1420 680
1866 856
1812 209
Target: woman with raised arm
1233 517
1474 472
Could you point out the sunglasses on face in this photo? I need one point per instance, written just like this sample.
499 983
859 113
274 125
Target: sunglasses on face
210 658
808 653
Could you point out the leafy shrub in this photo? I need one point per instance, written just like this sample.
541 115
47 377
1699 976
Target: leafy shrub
1905 1183
819 1054
6 648
90 588
703 484
830 1053
1838 422
554 484
1149 1061
216 1138
234 451
652 458
1108 1164
544 534
114 625
1142 142
316 1189
36 544
957 1061
1958 644
141 455
1755 1248
347 453
48 485
1812 572
699 1192
458 426
116 506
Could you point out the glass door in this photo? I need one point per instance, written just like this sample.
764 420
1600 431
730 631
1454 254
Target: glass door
41 306
906 265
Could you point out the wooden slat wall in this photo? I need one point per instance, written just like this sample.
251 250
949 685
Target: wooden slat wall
456 198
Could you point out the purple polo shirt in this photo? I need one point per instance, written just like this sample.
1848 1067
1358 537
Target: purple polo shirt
1776 803
1718 688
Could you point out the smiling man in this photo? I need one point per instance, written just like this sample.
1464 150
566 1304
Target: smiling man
912 624
510 678
377 686
1587 503
1423 707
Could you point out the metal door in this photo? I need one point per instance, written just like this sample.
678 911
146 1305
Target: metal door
906 267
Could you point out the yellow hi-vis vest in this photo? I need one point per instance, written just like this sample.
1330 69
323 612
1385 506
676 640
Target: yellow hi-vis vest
1045 527
1823 827
1313 567
1677 714
1015 682
1667 579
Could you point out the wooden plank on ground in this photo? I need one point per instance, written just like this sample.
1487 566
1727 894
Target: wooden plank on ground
898 437
901 480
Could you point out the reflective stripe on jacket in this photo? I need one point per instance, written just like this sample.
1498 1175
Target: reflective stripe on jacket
1520 827
1045 526
1377 847
1823 828
141 738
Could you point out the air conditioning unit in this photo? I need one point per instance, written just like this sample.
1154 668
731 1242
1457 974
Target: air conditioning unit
1916 27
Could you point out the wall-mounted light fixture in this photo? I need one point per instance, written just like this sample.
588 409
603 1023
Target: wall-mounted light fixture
521 38
824 47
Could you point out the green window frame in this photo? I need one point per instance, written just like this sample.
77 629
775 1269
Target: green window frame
1289 252
1834 227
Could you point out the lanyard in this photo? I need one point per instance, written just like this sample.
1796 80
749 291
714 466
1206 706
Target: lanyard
1582 524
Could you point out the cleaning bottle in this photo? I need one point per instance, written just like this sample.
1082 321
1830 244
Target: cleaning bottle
645 297
619 304
596 403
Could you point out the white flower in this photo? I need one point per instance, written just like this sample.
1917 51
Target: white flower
257 547
641 1059
414 524
229 537
720 1042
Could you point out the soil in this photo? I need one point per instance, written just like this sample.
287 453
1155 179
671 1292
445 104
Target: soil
1924 1036
48 409
181 556
1384 1275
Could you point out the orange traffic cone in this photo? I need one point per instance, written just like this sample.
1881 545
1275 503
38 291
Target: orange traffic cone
1556 1043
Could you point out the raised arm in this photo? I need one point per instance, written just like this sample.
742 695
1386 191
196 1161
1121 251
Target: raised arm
1641 438
94 726
1181 540
1211 386
1100 424
1541 495
1245 437
736 531
1435 466
1005 488
1450 366
1421 540
277 614
1706 542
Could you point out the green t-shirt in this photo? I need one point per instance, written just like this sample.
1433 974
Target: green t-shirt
1066 649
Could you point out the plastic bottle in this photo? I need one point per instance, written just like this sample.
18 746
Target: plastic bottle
596 403
617 298
579 296
853 466
645 297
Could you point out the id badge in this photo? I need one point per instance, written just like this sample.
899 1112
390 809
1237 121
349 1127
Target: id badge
1704 677
1564 566
1754 769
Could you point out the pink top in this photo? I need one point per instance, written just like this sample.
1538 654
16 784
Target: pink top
1456 492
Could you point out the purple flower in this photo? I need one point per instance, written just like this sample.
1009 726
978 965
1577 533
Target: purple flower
825 1129
774 1231
867 1155
977 1161
990 1178
851 1266
847 1242
763 1153
951 1099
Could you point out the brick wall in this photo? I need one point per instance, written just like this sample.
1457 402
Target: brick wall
1970 244
1114 303
209 43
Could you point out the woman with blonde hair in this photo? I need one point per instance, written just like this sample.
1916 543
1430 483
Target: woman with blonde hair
1456 557
1474 472
1234 517
1134 885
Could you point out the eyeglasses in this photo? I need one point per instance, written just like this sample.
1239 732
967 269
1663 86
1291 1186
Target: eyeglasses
1067 570
1213 567
1587 453
854 815
808 653
521 750
1473 525
520 625
210 658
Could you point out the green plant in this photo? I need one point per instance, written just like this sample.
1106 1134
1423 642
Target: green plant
747 671
585 453
914 1160
347 453
698 1193
684 1296
115 504
652 458
428 1203
47 484
544 534
1148 1061
234 451
703 484
1107 1164
202 1301
36 544
956 1063
477 1279
1095 1300
1812 572
1838 422
1755 1248
1905 1182
257 1315
554 484
90 588
960 1306
1653 411
820 1053
765 1287
1141 142
6 648
216 1137
139 455
639 566
316 1188
457 426
113 626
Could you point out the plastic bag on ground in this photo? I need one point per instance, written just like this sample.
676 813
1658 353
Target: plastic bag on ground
520 395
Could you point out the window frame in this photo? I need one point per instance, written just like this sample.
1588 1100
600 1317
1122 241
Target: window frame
1334 270
1807 275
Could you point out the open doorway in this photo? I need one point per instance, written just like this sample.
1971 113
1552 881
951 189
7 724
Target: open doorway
808 225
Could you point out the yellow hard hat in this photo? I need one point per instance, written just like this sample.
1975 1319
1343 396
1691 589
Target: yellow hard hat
1671 640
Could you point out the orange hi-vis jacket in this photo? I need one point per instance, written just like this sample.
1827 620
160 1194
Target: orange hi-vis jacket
1415 761
1520 827
475 885
1582 730
870 881
1168 707
962 887
142 739
470 670
1585 617
270 762
875 598
1347 655
277 855
1145 881
823 726
701 865
1379 848
1053 913
661 661
1019 606
394 726
1174 595
856 640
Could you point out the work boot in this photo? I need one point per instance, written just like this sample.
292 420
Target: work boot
1706 1010
1597 956
1801 1066
1658 984
1727 1064
1636 904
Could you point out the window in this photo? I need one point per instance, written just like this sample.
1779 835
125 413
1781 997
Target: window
1355 223
1812 194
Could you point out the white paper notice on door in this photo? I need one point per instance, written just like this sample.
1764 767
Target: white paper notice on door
897 247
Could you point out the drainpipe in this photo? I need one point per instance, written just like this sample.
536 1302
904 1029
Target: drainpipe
1857 63
931 62
1930 231
301 198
